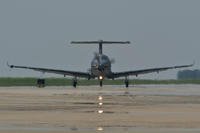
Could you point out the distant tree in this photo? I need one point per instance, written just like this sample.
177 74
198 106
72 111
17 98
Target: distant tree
188 74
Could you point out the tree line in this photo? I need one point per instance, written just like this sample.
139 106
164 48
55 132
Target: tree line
188 74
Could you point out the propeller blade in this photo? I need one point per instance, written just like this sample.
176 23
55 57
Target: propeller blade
112 60
96 55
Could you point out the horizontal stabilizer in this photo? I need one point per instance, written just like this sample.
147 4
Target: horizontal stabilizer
100 42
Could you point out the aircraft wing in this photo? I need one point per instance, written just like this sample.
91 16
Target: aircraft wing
145 71
62 72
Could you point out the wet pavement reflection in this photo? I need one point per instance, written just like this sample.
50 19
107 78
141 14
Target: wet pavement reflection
99 128
100 109
109 109
100 104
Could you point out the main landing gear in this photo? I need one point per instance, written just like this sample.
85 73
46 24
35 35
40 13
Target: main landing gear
41 82
126 82
74 82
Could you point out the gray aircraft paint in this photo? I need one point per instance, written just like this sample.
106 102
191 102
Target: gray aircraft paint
100 66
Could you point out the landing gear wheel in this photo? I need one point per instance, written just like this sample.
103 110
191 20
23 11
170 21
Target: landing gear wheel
126 83
74 83
101 83
41 83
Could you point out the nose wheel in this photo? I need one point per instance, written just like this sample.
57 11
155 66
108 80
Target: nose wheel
101 83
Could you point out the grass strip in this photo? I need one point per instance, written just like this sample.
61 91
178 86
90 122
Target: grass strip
68 82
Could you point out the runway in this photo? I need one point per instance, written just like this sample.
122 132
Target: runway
142 108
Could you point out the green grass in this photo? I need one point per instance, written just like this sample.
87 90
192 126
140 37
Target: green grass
67 82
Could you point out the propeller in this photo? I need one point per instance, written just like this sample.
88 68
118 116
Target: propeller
112 60
96 55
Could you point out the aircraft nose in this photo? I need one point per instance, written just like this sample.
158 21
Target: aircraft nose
101 68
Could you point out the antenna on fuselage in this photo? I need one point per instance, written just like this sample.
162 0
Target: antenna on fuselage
100 42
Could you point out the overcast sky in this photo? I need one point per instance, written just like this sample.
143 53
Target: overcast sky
38 33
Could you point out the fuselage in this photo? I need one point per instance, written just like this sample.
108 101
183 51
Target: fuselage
101 67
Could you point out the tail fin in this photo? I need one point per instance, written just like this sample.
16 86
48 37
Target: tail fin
100 42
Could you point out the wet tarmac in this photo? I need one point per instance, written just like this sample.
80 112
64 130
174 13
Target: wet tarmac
143 108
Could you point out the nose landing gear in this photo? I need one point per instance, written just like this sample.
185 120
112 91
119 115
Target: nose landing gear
101 83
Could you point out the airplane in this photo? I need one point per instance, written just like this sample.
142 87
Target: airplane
100 66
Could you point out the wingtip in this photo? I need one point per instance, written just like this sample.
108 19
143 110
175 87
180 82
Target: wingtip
7 64
11 66
193 63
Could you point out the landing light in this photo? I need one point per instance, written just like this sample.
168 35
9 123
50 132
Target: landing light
100 77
